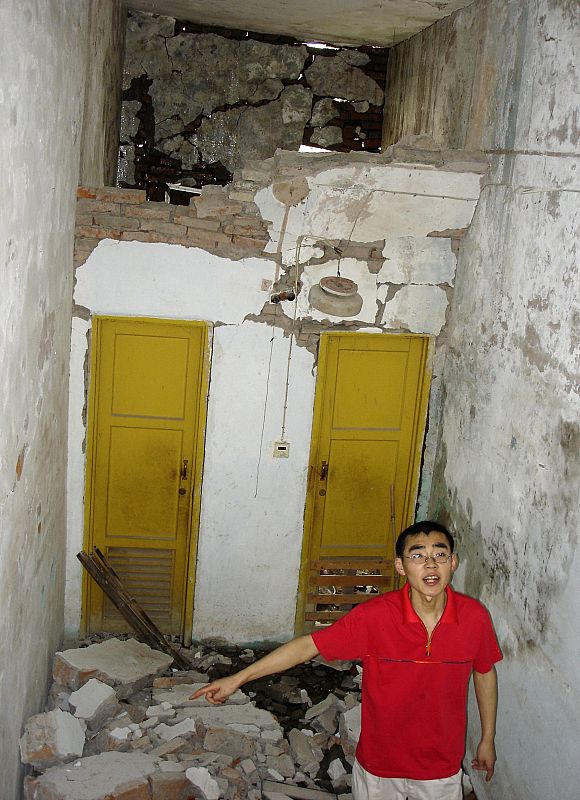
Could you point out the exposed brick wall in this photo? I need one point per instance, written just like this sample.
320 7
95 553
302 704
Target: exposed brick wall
215 223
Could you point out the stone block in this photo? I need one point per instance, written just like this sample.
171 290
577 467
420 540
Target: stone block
201 778
51 738
94 702
108 776
126 666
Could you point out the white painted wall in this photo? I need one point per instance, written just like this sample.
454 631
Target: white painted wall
508 466
45 49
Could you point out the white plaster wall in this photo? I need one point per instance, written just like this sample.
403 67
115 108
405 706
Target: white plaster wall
508 465
45 49
253 504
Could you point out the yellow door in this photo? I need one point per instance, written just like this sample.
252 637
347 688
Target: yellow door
146 425
369 419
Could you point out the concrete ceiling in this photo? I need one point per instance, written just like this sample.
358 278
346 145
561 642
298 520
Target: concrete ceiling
347 22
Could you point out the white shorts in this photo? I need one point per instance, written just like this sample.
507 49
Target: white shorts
370 787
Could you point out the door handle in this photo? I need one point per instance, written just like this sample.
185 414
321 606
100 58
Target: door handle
324 470
183 475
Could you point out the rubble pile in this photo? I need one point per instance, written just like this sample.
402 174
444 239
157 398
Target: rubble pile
120 725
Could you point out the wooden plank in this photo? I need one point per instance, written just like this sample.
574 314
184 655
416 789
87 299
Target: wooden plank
352 562
350 580
339 599
105 576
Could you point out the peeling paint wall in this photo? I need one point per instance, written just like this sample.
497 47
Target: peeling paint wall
507 469
45 54
199 103
253 504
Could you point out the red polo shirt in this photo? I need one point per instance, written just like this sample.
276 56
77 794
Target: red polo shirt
414 693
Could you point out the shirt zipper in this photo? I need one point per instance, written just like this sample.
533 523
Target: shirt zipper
429 637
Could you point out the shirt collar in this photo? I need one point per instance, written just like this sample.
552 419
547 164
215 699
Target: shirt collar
410 615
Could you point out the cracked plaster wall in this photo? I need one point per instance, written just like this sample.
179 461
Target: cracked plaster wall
210 103
244 487
45 56
507 468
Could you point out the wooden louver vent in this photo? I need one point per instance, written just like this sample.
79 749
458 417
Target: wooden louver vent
337 584
147 576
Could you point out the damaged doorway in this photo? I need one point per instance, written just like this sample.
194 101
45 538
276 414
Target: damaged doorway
147 409
369 422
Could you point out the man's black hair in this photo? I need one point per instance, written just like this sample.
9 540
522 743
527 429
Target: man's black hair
427 526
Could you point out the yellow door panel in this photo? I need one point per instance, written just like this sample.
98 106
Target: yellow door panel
358 470
146 424
369 417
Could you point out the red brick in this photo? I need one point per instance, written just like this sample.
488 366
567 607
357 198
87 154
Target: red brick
83 219
98 206
185 211
149 211
68 675
114 221
83 191
97 233
171 786
203 224
206 239
245 230
169 229
116 195
250 244
153 237
133 790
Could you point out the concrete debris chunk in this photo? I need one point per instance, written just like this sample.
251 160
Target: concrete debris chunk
233 749
125 665
229 742
51 738
179 696
170 786
298 792
167 732
202 779
94 702
303 751
349 728
95 778
336 772
186 676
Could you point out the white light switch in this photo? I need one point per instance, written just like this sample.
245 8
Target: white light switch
281 449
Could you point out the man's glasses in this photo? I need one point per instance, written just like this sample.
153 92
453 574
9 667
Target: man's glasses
421 558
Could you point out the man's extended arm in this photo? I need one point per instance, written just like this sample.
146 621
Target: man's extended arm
485 684
287 655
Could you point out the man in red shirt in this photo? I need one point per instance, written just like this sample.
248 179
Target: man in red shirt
418 647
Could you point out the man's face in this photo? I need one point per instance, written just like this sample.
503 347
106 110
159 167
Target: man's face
427 577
